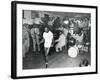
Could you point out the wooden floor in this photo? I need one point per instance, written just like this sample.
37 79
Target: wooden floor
36 60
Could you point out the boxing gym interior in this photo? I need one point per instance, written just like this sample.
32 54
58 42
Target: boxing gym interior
74 52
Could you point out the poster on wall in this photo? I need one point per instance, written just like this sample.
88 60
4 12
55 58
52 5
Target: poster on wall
53 39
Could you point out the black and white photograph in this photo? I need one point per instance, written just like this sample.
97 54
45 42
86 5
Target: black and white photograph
54 39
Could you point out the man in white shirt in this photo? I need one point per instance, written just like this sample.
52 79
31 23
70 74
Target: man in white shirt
61 42
47 38
32 31
37 37
79 36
